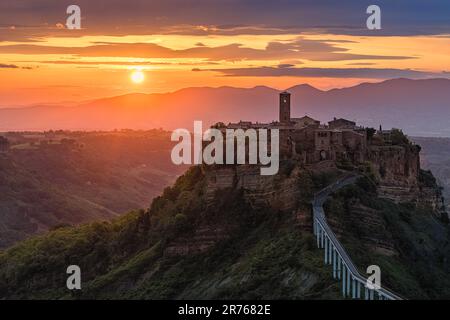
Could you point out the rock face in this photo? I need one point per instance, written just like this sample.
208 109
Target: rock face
396 165
279 192
397 169
371 228
432 197
204 238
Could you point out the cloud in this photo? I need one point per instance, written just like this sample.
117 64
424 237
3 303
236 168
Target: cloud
365 73
121 63
361 64
300 48
8 66
285 65
38 18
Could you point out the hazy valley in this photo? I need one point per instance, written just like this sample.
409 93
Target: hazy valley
61 178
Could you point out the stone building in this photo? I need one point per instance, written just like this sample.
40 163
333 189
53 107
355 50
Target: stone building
308 141
341 124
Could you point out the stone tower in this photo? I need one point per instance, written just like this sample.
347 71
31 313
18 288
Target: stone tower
285 107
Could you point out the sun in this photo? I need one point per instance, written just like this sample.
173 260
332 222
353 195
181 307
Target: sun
137 76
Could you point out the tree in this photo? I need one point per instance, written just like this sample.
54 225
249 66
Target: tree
4 144
370 133
398 137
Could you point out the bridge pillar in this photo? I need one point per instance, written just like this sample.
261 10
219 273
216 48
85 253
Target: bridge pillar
322 236
343 280
358 290
338 267
326 250
334 263
318 236
348 282
353 288
330 251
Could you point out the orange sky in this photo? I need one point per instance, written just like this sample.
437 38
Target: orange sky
56 65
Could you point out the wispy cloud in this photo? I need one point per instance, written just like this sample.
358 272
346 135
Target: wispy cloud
365 73
8 66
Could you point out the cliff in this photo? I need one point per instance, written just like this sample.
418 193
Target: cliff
435 157
399 177
279 192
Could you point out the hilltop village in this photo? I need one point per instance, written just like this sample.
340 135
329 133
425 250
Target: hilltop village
341 142
392 159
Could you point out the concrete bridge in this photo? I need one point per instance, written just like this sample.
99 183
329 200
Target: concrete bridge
353 282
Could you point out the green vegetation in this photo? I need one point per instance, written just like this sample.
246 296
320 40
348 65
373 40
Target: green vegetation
427 179
370 133
264 254
398 137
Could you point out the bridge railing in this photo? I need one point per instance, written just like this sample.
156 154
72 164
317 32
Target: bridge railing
335 254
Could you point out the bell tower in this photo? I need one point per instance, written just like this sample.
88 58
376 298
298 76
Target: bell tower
285 107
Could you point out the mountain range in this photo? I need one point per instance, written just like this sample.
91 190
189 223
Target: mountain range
419 107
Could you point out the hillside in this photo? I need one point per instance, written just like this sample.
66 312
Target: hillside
405 240
420 107
66 178
194 245
130 257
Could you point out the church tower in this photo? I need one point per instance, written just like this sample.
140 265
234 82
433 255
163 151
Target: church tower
285 107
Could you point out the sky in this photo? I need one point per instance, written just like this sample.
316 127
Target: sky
185 43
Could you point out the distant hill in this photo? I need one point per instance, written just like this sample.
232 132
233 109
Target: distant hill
419 107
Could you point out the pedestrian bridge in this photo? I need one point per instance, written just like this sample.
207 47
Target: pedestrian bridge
344 270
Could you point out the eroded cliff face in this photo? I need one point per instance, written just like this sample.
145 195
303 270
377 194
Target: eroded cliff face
397 169
396 166
279 192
